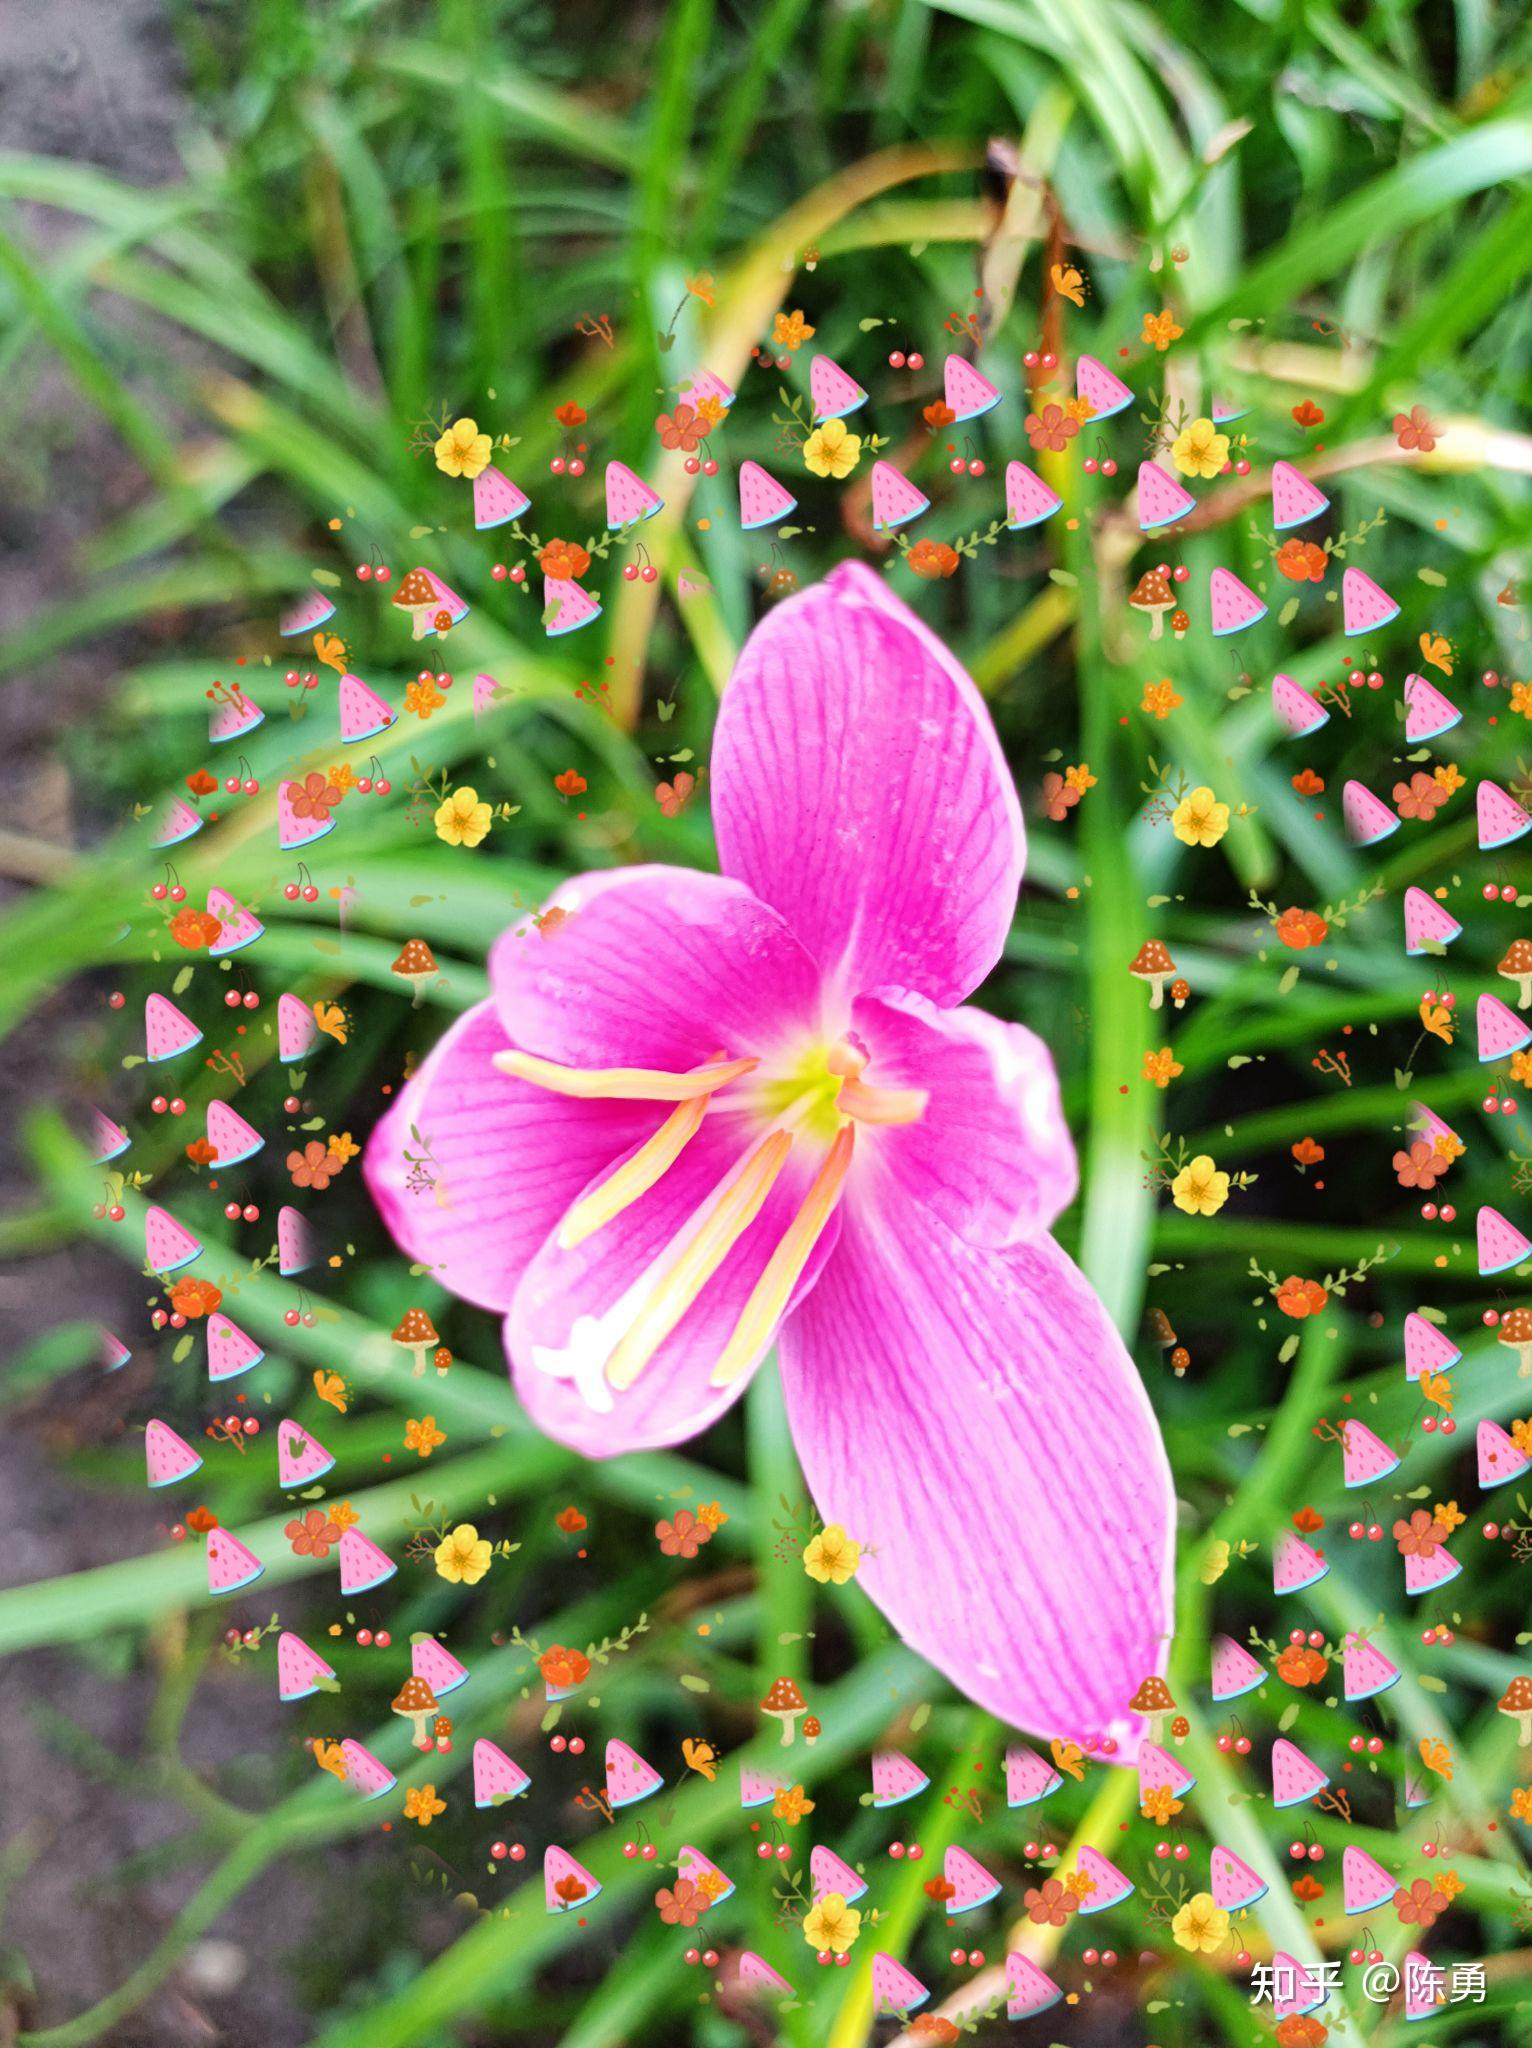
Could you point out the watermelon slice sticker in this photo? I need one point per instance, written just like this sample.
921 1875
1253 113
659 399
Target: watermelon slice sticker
1417 1792
1306 1988
1499 1459
1365 1457
628 498
833 393
1368 818
1235 1672
1294 1776
1425 1987
435 1663
1427 1348
703 384
762 500
300 1670
1501 818
306 614
446 599
232 1139
1436 1128
895 1778
301 1457
758 1788
1427 713
1111 1887
628 1777
570 605
692 1863
1157 1767
1028 1777
1225 409
296 1029
895 500
239 927
295 1242
495 1775
363 1771
167 1030
1364 605
168 1456
1295 1565
1296 709
496 499
1425 1574
1427 923
113 1354
1293 498
486 692
293 831
1029 1989
1162 498
967 390
229 1351
362 1564
168 1245
233 717
1235 1885
363 713
894 1988
1367 1671
1234 605
174 821
566 1883
972 1885
107 1139
754 1974
1028 499
1501 1244
1501 1031
1107 393
831 1873
230 1564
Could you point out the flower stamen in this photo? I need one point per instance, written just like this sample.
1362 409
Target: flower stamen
721 1228
772 1292
629 1084
649 1164
880 1105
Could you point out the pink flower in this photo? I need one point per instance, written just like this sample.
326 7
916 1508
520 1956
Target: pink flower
705 1115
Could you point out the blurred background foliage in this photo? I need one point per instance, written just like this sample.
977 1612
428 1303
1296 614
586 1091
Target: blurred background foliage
390 212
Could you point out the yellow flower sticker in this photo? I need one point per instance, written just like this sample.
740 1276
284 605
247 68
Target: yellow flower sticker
1200 1189
1199 819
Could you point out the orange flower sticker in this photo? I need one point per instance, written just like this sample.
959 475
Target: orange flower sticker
1301 928
932 559
1299 1298
194 929
563 1668
563 561
193 1298
1302 561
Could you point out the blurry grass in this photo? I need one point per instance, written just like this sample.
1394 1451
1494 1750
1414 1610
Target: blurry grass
338 260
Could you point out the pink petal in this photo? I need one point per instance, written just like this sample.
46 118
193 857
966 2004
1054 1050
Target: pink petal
653 967
508 1160
973 1416
859 787
992 1154
671 1399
